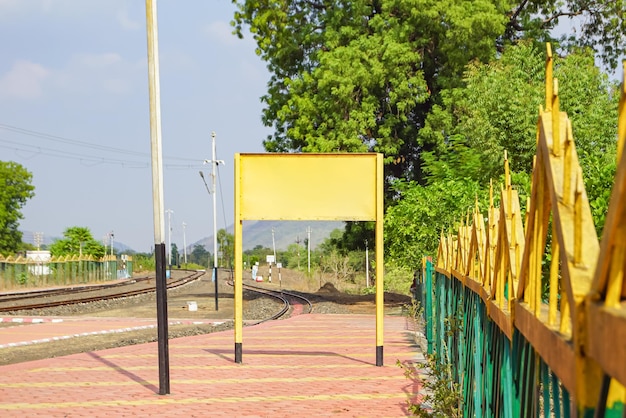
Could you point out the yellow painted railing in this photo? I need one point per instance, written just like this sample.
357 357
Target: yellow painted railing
579 330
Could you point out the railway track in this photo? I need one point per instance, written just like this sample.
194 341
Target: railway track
291 301
35 300
48 298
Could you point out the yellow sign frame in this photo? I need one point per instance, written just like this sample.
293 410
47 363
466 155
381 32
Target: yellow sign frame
343 187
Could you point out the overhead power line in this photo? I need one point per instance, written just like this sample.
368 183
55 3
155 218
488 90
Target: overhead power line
90 158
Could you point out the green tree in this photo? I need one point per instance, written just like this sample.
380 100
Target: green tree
77 241
175 254
355 76
15 190
256 255
226 243
292 257
199 255
362 75
414 225
497 111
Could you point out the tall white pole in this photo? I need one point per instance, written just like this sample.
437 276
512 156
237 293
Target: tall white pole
169 237
213 175
157 194
214 164
274 245
184 242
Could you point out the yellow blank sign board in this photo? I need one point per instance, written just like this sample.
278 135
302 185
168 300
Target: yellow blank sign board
308 186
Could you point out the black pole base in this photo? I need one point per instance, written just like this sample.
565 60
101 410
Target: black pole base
238 353
379 355
216 296
162 331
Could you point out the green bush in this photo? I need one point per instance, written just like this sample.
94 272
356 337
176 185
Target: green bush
398 279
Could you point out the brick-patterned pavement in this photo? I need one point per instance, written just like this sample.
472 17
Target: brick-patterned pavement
309 365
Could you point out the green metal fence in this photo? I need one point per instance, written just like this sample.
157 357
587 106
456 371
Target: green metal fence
514 349
22 273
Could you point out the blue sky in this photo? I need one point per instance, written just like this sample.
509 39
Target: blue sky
74 112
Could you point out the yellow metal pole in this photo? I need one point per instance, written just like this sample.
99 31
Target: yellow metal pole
554 278
548 77
238 264
621 121
578 218
556 122
567 164
380 300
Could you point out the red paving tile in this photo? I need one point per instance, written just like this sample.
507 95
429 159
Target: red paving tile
309 365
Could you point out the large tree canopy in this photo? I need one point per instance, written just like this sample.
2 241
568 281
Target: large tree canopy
358 75
497 110
15 190
435 86
362 75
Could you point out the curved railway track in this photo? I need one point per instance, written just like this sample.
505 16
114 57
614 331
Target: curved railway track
297 303
49 298
84 294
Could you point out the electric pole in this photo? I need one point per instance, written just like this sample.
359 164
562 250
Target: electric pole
308 245
184 242
112 243
274 245
298 244
38 239
157 195
213 191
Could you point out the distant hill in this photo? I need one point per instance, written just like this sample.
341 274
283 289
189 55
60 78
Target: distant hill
285 233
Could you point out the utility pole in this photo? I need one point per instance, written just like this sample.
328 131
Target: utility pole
157 194
112 235
38 239
214 164
169 237
298 244
274 246
184 242
308 245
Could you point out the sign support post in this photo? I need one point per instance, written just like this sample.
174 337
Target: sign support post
346 187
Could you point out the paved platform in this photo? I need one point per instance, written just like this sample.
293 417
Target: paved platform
309 365
64 328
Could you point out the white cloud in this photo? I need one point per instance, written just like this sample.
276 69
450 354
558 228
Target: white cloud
8 5
108 73
12 10
23 81
126 22
103 60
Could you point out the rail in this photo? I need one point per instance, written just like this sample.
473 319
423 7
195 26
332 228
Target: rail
71 295
281 295
512 351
